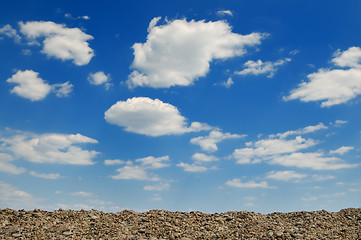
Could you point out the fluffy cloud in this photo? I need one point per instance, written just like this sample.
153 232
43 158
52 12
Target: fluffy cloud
342 150
268 148
150 117
349 58
153 162
180 52
209 143
259 67
201 157
32 87
49 148
82 194
10 32
100 78
228 83
250 184
316 161
332 86
285 175
60 42
141 171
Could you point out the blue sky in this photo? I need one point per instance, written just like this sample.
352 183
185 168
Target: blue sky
180 105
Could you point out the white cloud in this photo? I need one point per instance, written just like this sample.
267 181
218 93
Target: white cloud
322 177
154 163
141 171
349 58
82 194
133 172
308 129
268 148
285 175
51 176
60 42
228 83
157 187
309 199
50 148
149 117
100 78
332 86
342 150
201 157
250 184
6 166
68 15
32 87
192 167
12 197
179 52
316 161
259 67
10 32
209 143
340 122
225 13
62 89
113 162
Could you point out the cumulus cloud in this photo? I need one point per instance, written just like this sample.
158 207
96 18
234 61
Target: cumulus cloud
141 171
60 42
10 32
180 51
259 67
49 148
150 117
209 143
51 176
134 172
30 86
349 58
315 161
82 194
201 157
153 162
332 86
285 176
342 150
99 78
268 148
250 184
34 88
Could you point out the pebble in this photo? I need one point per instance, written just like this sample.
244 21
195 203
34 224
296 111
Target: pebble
160 224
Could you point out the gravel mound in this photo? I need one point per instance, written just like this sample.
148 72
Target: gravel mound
159 224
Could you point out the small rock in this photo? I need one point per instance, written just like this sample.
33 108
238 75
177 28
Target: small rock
67 233
16 235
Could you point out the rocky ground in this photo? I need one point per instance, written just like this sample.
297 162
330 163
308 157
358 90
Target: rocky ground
159 224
